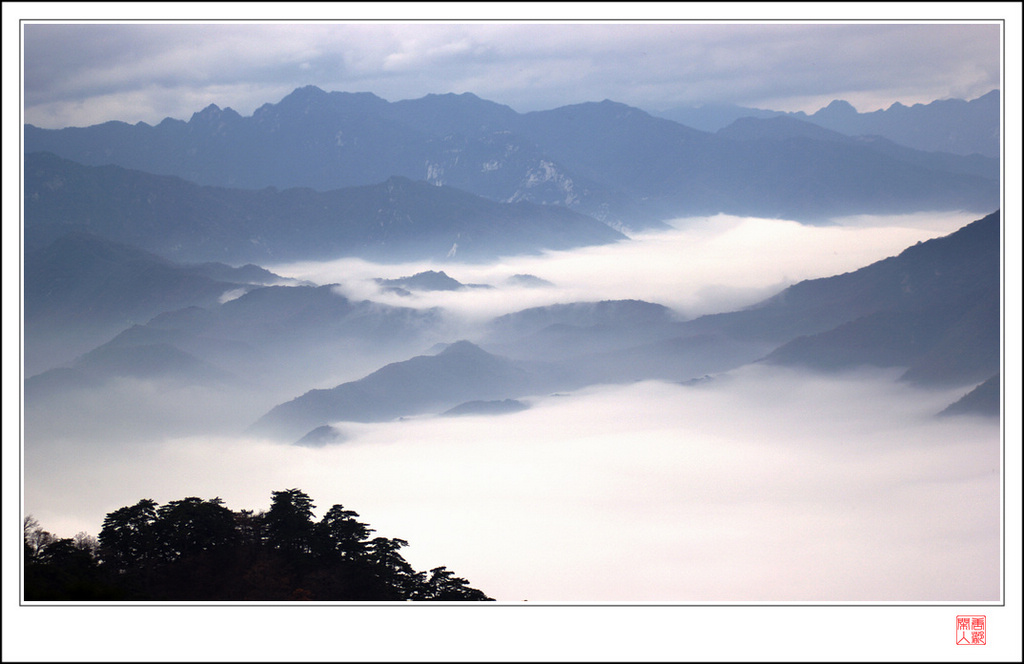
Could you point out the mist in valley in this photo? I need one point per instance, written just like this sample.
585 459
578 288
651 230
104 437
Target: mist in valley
759 483
766 484
695 266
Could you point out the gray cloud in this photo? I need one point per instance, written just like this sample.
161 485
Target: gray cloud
87 73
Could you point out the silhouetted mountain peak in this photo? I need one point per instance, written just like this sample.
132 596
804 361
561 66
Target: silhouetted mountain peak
933 309
450 114
213 119
429 280
528 280
170 122
837 108
304 94
464 349
310 99
604 108
465 107
211 111
495 407
425 383
604 158
452 96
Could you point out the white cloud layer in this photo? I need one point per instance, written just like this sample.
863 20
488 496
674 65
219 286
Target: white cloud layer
701 265
765 485
768 485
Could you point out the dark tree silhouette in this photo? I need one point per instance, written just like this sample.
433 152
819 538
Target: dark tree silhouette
62 569
443 585
127 538
290 522
340 534
35 537
199 550
191 526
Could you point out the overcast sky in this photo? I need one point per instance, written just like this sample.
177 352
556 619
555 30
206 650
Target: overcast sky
82 74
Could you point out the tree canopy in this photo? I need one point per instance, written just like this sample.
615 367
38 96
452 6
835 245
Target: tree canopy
199 550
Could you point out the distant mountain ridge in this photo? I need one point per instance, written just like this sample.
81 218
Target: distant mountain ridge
613 162
562 331
389 221
426 383
81 289
785 127
260 334
982 400
933 309
502 407
429 280
947 125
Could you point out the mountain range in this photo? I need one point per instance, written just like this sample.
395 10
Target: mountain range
956 126
423 384
933 310
143 248
428 280
392 221
80 290
607 160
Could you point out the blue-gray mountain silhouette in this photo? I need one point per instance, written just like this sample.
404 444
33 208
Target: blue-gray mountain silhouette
495 407
390 221
605 159
787 128
266 331
80 290
428 280
948 125
983 400
423 384
934 309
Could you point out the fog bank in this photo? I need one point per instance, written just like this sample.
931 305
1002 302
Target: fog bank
700 265
763 485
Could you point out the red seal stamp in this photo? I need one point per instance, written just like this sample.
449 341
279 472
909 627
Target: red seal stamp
970 630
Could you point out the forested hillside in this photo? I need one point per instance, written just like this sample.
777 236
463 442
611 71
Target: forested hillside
199 550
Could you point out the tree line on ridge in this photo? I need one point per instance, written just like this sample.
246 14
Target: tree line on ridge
199 550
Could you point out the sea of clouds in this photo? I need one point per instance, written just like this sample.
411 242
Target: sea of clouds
765 484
